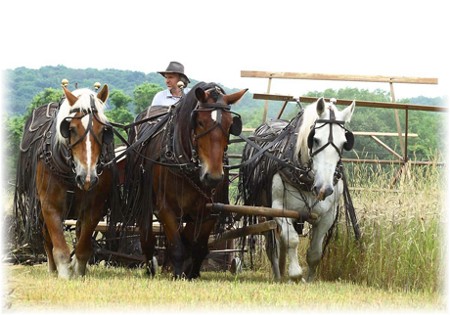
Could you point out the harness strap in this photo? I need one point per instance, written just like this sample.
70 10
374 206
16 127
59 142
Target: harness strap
140 141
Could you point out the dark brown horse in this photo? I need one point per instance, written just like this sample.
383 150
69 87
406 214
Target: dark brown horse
177 167
61 174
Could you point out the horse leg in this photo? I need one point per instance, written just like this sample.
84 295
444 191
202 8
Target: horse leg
273 253
86 225
277 255
60 250
289 239
49 191
174 244
196 238
49 250
148 242
315 250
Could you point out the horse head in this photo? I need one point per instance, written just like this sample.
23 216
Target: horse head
325 140
212 122
81 126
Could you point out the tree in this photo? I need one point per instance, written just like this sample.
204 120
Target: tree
120 112
144 94
48 95
15 124
119 99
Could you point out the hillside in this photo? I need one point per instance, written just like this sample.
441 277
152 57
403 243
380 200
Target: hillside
22 84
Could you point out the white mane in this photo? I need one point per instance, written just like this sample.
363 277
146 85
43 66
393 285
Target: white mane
84 102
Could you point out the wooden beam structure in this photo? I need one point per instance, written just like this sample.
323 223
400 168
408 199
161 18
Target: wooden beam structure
307 99
336 77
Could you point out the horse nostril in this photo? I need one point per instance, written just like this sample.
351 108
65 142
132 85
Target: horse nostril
328 191
79 180
212 181
94 181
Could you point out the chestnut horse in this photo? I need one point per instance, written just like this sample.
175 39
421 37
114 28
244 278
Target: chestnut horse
176 168
61 174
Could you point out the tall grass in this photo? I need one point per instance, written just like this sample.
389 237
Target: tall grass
401 247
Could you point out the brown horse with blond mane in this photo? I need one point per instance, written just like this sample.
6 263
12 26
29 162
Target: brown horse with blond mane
63 173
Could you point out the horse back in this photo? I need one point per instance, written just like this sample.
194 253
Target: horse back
277 137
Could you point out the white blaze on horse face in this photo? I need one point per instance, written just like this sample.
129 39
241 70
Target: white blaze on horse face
214 115
85 122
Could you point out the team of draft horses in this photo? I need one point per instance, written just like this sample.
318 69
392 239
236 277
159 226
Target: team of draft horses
175 164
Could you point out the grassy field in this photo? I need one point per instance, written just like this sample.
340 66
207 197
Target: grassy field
398 264
31 288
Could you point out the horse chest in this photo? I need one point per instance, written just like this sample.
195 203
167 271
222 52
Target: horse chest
287 196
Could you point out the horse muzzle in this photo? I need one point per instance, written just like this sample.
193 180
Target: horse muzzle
86 181
210 180
322 192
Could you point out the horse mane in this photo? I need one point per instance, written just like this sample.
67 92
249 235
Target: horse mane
184 111
84 104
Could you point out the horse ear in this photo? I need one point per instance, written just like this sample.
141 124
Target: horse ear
72 99
348 112
320 107
103 94
233 98
200 95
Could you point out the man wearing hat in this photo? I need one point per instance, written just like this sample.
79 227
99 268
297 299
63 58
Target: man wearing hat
173 74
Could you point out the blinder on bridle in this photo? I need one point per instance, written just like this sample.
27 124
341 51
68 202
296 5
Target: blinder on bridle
350 138
236 125
108 134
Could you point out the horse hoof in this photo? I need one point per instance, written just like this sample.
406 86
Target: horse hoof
236 266
296 278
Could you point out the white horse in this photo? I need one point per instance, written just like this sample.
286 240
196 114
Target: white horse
311 186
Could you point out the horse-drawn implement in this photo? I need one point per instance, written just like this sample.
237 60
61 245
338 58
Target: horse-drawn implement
174 182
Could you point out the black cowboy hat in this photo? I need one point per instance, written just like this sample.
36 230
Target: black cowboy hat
176 67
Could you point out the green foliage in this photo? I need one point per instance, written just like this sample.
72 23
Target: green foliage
143 95
15 124
428 126
14 130
48 95
120 113
119 99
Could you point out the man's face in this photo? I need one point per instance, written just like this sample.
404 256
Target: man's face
172 80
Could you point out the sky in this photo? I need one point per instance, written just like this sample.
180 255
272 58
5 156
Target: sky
216 40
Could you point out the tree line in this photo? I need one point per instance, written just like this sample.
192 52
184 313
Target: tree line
132 92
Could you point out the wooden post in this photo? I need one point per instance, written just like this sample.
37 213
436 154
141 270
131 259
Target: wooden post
266 103
397 121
